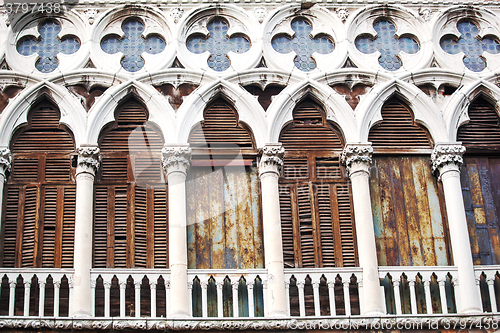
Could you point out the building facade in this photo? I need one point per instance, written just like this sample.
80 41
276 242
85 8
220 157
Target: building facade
250 165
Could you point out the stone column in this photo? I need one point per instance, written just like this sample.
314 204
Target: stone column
88 163
176 161
357 158
5 164
447 159
269 171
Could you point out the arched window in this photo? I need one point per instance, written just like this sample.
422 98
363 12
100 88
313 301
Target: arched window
39 218
224 218
130 218
315 196
408 210
480 180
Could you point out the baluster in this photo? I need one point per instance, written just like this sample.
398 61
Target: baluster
57 287
123 288
27 285
361 296
107 298
478 287
92 297
442 295
251 306
287 293
428 299
152 287
41 299
12 296
220 305
137 287
264 289
413 296
71 286
302 306
397 296
331 298
493 299
347 297
234 285
384 305
317 310
190 293
167 292
458 300
204 302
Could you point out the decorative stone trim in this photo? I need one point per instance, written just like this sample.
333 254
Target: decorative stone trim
446 154
176 159
88 159
372 323
5 160
272 159
356 153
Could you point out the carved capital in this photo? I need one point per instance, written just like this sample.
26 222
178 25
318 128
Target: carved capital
137 285
272 159
93 284
107 284
250 284
152 285
441 282
396 283
357 157
5 161
235 284
88 160
176 159
447 155
300 284
315 284
490 281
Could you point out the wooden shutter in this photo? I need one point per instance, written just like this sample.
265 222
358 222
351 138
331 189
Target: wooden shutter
160 228
121 232
50 224
101 227
483 129
398 130
315 199
29 227
68 229
25 169
141 226
221 128
11 217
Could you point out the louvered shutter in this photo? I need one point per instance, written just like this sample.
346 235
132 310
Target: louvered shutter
141 226
121 232
160 228
11 217
287 224
29 227
101 227
346 226
68 230
326 226
482 131
50 225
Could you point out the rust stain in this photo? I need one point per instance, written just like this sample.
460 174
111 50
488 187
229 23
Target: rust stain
351 93
176 95
88 95
8 93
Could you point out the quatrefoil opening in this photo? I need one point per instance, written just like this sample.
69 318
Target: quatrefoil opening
218 43
303 44
388 44
48 46
471 44
132 45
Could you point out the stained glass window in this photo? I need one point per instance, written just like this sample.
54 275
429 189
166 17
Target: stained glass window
303 44
218 44
387 44
471 45
48 46
133 45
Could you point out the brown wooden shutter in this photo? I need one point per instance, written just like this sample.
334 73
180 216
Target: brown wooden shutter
220 128
141 226
160 228
326 226
121 232
287 233
398 129
11 218
483 129
50 224
101 227
346 226
68 230
25 169
30 227
306 227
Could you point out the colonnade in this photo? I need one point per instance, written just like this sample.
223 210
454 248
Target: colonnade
446 161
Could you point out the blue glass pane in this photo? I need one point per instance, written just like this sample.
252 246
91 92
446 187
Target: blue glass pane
48 46
387 44
218 44
303 45
471 45
133 45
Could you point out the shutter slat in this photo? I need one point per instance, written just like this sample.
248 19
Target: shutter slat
287 227
101 227
29 227
10 234
49 227
121 206
483 129
160 228
141 227
68 232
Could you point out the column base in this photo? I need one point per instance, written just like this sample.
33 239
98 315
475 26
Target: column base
82 315
278 314
374 313
179 315
471 311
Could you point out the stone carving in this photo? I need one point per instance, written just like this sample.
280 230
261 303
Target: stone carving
5 160
272 159
260 13
6 17
342 13
425 13
88 159
176 159
176 14
356 154
91 13
444 154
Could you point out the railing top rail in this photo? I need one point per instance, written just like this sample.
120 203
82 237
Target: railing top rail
417 269
5 270
144 271
260 271
335 270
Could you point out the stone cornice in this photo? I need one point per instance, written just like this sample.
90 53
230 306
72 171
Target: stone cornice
272 158
176 158
88 159
446 154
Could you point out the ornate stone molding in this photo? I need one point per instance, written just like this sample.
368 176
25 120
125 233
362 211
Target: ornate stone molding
5 160
272 159
342 13
91 13
176 158
357 154
447 154
88 159
176 14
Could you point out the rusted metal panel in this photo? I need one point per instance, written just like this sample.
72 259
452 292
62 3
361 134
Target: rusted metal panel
226 231
409 226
